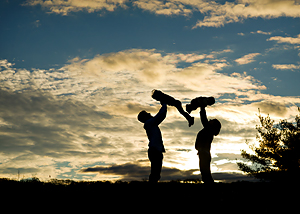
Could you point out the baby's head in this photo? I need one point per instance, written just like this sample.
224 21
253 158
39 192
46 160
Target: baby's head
216 126
143 116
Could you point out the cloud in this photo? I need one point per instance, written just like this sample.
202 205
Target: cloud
233 128
65 7
294 41
276 108
290 40
155 69
262 32
45 117
131 108
135 171
247 58
38 130
215 14
147 65
164 7
85 112
5 64
286 66
37 23
220 14
37 122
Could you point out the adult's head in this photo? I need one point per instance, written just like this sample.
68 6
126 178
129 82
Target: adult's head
216 126
143 116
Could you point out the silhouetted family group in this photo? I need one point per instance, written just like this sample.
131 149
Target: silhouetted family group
204 138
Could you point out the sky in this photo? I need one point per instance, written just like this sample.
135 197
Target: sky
74 74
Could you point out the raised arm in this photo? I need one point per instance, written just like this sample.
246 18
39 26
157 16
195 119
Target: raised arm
161 115
203 117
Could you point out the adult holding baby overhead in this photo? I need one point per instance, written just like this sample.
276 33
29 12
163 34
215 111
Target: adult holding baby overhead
205 136
151 125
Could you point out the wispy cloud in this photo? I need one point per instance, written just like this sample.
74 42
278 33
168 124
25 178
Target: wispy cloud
215 14
154 69
286 66
261 32
37 23
292 41
146 65
65 7
165 7
220 14
247 58
281 39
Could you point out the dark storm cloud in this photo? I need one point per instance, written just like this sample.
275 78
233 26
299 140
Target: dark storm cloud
134 171
231 177
35 121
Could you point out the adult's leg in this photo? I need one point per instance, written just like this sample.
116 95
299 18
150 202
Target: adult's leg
156 159
205 159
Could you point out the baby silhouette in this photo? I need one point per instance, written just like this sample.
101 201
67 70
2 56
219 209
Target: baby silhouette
162 97
199 102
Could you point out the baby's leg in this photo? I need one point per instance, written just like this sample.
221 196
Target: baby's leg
185 114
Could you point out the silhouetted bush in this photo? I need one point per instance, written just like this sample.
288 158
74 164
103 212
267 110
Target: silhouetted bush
277 158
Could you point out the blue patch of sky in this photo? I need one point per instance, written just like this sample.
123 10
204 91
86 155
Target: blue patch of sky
58 39
232 96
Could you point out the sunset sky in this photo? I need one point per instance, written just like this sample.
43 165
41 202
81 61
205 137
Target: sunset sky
74 74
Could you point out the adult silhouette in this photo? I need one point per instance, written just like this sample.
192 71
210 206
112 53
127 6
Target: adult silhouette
204 139
156 146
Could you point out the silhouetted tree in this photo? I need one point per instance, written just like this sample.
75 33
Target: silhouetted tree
278 155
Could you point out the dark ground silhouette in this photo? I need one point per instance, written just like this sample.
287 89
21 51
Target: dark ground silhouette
69 196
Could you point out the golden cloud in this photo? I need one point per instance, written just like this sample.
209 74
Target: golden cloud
215 14
247 58
65 7
281 39
149 67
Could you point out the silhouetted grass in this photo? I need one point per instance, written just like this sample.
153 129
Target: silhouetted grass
83 196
